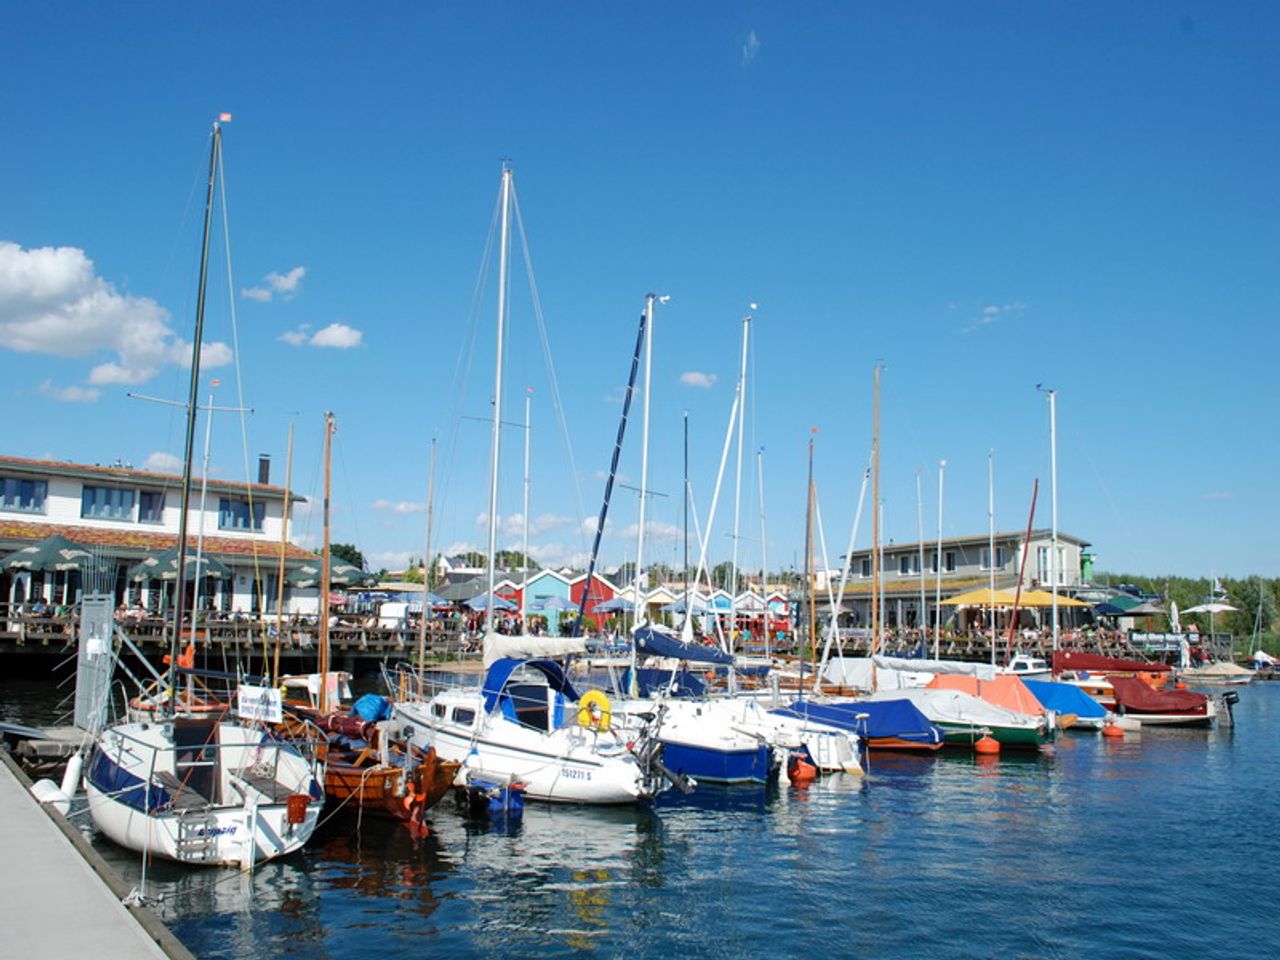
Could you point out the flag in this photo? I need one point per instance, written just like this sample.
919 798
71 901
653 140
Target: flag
224 118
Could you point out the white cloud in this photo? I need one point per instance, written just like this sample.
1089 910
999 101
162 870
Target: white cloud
161 462
390 560
694 378
401 508
750 48
70 394
557 555
337 335
282 285
653 529
995 312
513 525
52 302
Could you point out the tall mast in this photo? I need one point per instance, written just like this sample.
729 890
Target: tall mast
737 486
922 619
284 541
937 582
991 546
764 554
426 571
638 607
1053 496
524 552
503 244
330 424
688 596
192 399
204 490
811 640
875 516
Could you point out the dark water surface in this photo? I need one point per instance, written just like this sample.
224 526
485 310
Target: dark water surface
1163 846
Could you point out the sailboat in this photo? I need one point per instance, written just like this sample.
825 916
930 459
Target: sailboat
526 724
204 789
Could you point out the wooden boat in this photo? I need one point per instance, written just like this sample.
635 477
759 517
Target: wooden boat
367 770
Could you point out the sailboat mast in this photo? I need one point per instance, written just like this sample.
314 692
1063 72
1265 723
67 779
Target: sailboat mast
204 490
284 541
1053 497
812 639
875 516
503 244
192 400
688 609
937 560
524 551
426 570
326 560
737 486
991 547
922 619
764 553
638 606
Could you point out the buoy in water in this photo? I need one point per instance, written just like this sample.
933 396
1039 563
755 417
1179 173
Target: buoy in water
988 745
1179 685
1112 732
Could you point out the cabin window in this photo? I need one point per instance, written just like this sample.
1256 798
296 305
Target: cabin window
22 496
234 514
464 715
150 506
106 503
437 710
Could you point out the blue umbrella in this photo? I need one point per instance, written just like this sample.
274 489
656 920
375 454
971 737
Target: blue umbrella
542 604
482 603
614 605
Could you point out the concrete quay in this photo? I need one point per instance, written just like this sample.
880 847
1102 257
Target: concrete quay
58 897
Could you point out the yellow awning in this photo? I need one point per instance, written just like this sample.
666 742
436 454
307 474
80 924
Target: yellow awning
1043 598
982 597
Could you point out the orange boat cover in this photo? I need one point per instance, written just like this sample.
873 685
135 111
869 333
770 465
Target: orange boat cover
1005 691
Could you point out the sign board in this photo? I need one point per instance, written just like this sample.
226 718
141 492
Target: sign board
259 703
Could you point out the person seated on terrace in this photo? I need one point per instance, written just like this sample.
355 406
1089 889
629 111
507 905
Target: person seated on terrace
39 608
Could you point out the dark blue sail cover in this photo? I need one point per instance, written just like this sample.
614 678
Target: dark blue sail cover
1064 698
885 719
659 644
501 670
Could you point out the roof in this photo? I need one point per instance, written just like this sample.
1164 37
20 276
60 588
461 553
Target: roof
130 540
122 474
976 540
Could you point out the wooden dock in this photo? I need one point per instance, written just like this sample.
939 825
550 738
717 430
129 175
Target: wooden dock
58 897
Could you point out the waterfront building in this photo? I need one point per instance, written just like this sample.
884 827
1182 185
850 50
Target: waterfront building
124 515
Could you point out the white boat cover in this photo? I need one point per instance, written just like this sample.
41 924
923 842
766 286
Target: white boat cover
522 646
897 673
1216 671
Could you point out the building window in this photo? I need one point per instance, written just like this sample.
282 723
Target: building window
949 561
22 496
864 567
151 506
234 514
1042 564
106 503
933 562
984 559
909 564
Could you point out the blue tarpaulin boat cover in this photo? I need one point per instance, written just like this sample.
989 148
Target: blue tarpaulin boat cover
1064 698
650 682
659 644
501 670
372 707
885 719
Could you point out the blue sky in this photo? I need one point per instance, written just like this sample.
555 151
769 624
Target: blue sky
981 196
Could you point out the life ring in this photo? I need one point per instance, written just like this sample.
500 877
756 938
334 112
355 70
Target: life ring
594 710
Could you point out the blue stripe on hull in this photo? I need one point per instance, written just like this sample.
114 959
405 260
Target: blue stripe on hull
717 766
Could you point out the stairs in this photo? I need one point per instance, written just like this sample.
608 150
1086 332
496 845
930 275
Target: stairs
197 841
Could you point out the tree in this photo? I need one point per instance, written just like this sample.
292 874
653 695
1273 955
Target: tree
722 574
512 560
347 552
1256 603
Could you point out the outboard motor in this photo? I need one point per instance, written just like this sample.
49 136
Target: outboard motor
1226 717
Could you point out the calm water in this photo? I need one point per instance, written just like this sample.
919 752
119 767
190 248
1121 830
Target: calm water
1161 847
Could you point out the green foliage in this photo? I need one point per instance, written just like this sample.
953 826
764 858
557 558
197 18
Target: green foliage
1250 597
347 552
511 560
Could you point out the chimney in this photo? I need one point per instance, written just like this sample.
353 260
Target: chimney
264 468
